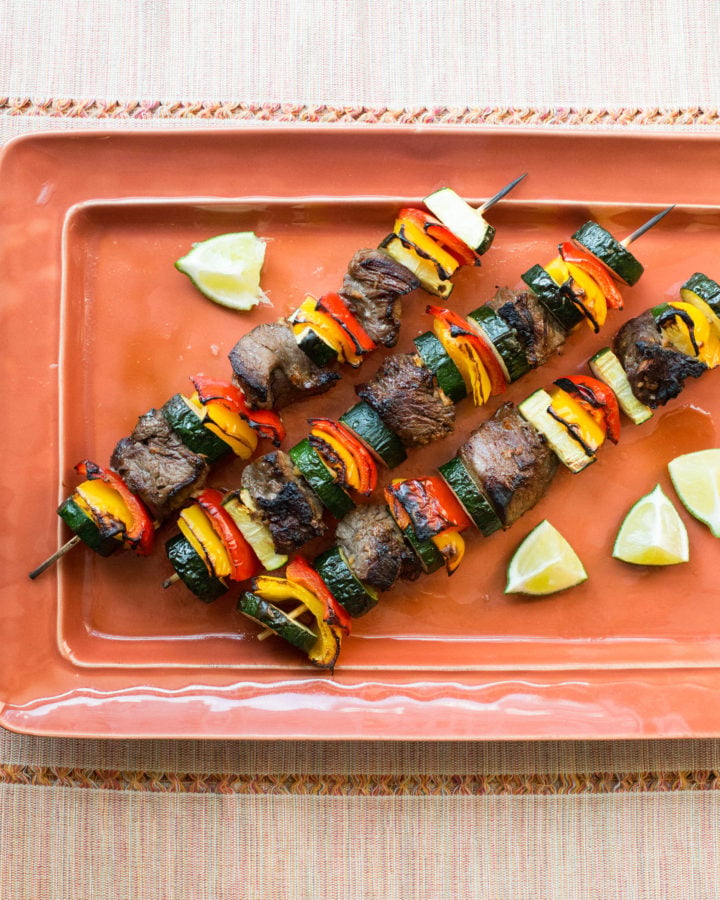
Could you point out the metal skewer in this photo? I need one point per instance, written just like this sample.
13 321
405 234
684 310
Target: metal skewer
501 193
646 227
51 560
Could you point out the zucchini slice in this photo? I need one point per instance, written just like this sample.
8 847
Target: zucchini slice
463 220
436 360
192 570
270 616
704 294
320 478
535 410
504 341
606 367
85 528
598 241
475 503
183 419
334 569
552 298
319 351
374 433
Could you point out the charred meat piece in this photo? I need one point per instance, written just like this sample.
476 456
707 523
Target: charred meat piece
540 334
157 466
511 462
375 548
372 286
273 371
655 372
406 397
283 501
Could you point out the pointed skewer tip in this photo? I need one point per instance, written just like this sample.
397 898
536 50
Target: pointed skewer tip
501 193
647 226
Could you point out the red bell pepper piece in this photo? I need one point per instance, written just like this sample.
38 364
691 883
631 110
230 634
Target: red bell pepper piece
573 253
367 467
598 399
460 328
334 305
266 422
434 228
301 572
141 534
242 558
430 505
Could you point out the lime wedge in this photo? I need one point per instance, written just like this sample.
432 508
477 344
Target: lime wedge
652 533
226 269
544 563
696 478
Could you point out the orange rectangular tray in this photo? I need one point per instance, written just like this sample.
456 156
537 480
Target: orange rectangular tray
99 327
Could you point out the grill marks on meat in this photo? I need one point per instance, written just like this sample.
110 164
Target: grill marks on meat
656 373
408 400
511 462
372 287
283 501
375 548
157 466
273 371
540 334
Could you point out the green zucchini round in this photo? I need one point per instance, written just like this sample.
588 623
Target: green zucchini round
189 426
85 528
552 298
504 339
431 559
436 360
375 434
319 351
321 479
270 616
475 503
334 569
598 241
192 570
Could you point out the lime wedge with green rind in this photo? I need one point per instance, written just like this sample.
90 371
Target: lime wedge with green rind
652 533
696 479
544 563
226 269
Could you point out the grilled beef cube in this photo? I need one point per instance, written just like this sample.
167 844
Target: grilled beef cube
538 331
656 373
283 501
511 462
157 466
375 547
273 371
372 286
408 400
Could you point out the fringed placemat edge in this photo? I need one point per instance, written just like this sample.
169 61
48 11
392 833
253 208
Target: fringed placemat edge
564 116
361 785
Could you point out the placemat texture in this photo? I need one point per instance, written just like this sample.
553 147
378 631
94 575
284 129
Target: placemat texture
186 820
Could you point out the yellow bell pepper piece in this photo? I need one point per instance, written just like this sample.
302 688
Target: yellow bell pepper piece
231 428
452 547
592 296
197 528
327 328
101 501
427 246
471 367
573 414
707 341
274 589
352 475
